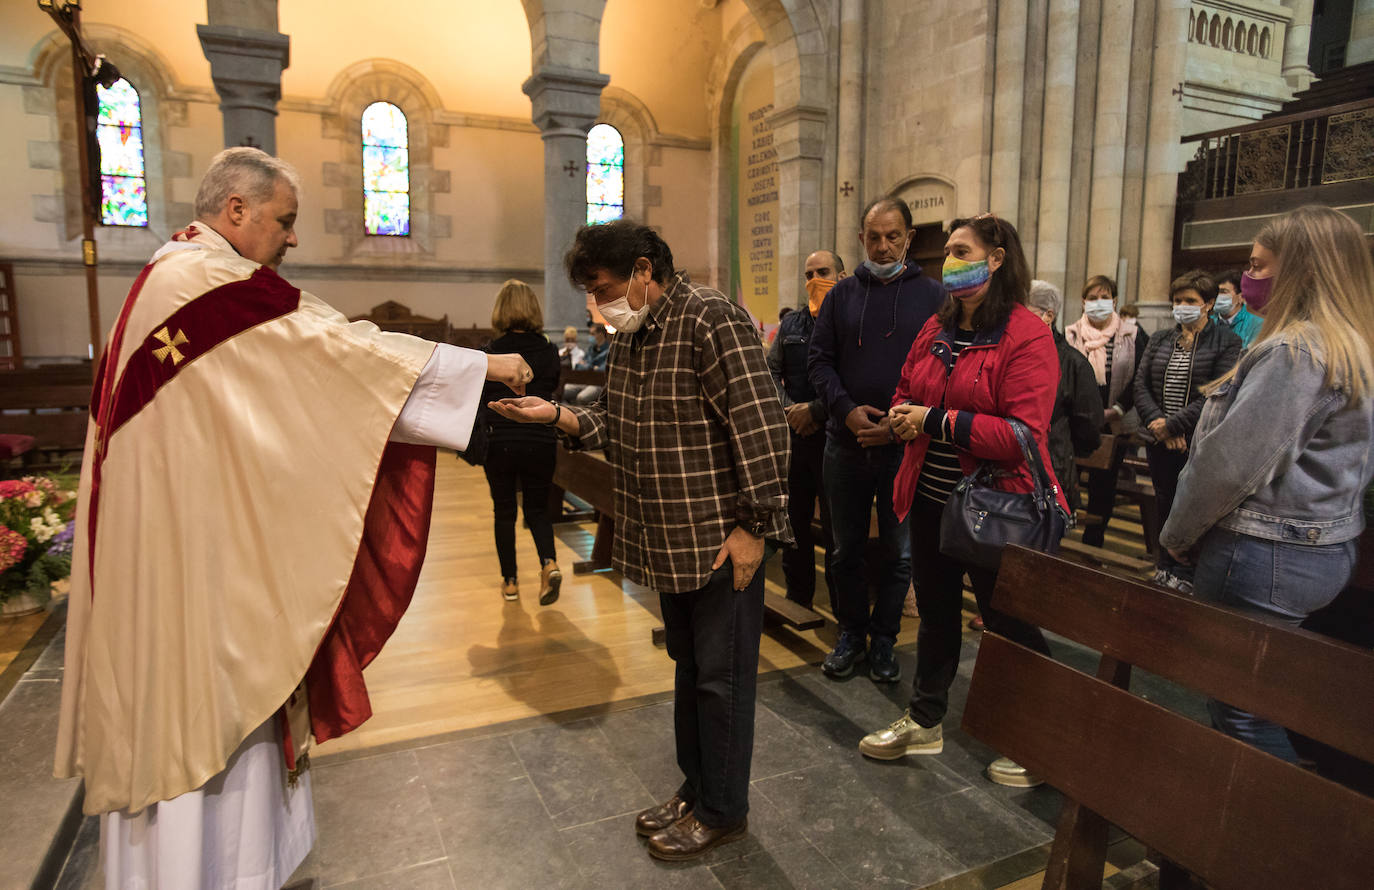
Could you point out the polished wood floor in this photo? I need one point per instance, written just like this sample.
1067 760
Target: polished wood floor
15 634
462 657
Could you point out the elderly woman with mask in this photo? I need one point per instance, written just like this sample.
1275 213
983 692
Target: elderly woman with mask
1113 345
1077 405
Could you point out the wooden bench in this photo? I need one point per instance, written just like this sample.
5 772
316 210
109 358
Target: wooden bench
52 407
1231 815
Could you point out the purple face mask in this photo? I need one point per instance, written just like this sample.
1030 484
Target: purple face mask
1256 291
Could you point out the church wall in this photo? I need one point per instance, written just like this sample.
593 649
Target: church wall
634 36
925 103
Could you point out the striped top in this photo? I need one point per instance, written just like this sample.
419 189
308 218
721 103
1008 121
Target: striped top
1177 378
940 472
1107 379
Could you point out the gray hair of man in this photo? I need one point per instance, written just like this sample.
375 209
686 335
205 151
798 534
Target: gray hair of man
246 171
1045 297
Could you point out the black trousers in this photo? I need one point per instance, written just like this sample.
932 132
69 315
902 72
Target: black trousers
804 488
939 597
713 636
1165 468
1102 496
528 465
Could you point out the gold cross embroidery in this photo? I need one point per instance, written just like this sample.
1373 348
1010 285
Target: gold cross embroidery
171 347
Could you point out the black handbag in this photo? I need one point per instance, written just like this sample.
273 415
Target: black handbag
980 520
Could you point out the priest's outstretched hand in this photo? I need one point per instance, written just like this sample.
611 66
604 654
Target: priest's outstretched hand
510 369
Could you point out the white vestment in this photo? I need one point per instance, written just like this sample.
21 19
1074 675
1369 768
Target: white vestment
245 829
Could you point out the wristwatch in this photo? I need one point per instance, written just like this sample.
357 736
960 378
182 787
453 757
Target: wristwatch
753 522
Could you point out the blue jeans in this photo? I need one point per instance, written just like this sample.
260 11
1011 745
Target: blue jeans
1275 579
854 478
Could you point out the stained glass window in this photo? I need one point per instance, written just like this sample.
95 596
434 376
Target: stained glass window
123 180
605 174
386 170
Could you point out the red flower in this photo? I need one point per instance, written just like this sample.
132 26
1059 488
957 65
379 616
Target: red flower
12 547
13 488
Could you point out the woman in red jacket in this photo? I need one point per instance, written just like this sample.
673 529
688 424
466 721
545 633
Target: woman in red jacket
983 358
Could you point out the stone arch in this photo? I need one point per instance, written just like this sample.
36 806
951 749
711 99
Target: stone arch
933 198
1214 31
1227 33
627 113
350 92
1200 29
738 48
162 106
1252 44
1264 43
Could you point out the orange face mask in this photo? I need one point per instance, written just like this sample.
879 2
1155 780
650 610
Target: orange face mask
816 289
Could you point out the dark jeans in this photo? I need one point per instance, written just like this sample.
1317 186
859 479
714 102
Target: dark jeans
713 636
1165 467
1102 496
530 465
854 478
804 488
1275 579
939 597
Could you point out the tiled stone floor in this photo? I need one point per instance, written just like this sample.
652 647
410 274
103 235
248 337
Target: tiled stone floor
549 803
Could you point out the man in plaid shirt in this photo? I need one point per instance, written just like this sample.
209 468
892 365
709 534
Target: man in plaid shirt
692 424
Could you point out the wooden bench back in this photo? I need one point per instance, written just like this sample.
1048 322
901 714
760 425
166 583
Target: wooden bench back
1223 810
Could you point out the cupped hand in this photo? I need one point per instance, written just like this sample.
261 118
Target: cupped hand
526 409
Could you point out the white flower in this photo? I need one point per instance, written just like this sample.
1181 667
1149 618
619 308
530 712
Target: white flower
41 532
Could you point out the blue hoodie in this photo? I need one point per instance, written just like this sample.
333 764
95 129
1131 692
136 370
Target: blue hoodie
861 340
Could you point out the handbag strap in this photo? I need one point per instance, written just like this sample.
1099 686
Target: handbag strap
1040 478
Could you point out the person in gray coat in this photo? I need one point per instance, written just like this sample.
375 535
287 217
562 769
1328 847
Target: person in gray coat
1272 498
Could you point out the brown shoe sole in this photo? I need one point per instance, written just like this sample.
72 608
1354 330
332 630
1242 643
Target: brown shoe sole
550 596
737 834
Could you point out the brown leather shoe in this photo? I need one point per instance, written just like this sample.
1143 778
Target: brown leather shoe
687 839
550 579
655 819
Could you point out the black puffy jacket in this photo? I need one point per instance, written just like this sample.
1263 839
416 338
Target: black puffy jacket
1216 349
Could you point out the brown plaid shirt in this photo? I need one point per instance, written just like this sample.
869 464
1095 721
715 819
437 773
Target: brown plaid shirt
692 424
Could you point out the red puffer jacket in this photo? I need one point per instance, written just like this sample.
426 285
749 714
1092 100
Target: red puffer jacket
1009 371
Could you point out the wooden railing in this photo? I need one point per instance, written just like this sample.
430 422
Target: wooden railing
1324 147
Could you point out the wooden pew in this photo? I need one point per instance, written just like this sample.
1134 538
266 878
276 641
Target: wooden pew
1229 814
51 406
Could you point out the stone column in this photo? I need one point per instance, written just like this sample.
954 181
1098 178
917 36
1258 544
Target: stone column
247 56
1296 43
1164 159
1109 144
1004 180
1056 156
849 162
566 103
799 137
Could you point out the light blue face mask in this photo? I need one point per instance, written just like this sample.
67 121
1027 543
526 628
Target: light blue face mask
1187 314
1224 304
884 272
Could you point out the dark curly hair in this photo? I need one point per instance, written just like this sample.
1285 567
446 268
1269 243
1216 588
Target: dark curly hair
614 246
1009 284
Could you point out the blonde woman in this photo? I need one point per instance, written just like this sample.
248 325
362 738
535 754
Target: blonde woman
519 454
1281 456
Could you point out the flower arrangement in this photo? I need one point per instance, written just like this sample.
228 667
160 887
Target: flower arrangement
36 528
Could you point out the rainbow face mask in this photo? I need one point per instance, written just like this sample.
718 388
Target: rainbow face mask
963 279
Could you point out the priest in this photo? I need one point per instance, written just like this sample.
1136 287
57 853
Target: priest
253 513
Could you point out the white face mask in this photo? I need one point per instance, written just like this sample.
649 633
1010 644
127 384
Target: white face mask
1098 310
1187 314
621 316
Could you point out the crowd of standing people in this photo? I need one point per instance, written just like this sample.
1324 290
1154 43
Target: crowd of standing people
892 387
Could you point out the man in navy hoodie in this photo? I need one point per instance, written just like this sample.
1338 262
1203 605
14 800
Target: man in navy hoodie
865 328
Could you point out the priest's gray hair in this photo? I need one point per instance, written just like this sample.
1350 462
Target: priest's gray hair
249 172
1045 297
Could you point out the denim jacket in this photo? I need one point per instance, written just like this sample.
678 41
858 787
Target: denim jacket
1277 455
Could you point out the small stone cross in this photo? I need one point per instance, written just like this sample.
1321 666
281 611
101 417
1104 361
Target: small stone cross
846 189
250 142
572 168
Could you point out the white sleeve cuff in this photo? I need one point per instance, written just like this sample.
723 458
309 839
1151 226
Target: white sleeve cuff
443 405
